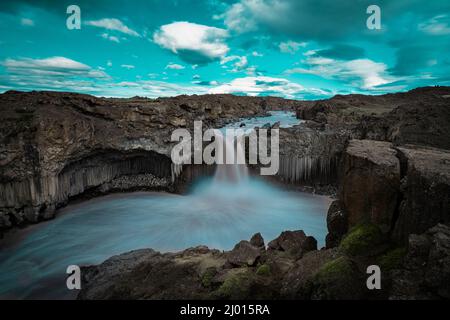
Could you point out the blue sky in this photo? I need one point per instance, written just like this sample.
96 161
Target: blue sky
308 49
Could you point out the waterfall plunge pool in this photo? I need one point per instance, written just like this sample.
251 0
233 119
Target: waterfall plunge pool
214 213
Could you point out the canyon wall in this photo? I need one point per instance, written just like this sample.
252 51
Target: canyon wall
58 146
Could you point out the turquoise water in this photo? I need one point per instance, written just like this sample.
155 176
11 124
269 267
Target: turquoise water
286 118
216 215
217 212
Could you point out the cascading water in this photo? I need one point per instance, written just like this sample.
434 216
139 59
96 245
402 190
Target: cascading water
218 212
230 157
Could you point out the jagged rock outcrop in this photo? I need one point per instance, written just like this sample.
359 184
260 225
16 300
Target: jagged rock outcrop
420 116
257 240
244 254
147 274
195 273
295 282
425 273
422 272
370 183
296 243
56 146
425 190
402 190
337 224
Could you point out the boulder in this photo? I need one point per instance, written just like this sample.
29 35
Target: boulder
147 274
426 270
295 243
370 183
336 224
295 281
244 254
257 240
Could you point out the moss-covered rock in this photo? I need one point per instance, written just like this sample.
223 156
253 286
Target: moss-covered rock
208 276
236 286
392 259
337 279
361 239
263 270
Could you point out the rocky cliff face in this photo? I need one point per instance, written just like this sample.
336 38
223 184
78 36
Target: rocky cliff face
56 146
419 117
388 154
403 190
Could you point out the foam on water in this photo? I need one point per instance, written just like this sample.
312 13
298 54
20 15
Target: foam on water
217 212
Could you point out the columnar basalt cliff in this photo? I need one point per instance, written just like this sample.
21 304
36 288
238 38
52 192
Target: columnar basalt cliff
56 146
388 156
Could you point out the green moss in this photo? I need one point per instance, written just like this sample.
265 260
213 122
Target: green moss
208 276
337 279
337 268
392 259
263 270
361 239
235 286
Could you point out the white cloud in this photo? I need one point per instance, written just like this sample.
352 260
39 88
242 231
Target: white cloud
127 66
237 18
194 43
438 25
152 89
54 73
175 66
362 73
257 54
113 24
291 46
260 85
240 64
109 63
53 67
27 22
110 38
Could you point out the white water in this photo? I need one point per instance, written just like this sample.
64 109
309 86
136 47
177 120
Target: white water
218 212
231 159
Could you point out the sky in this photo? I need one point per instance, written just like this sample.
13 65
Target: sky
298 49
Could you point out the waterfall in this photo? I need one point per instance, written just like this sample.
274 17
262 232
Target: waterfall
230 157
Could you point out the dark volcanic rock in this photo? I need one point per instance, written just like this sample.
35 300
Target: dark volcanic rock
425 190
257 240
56 146
426 270
146 274
296 243
244 254
337 224
370 183
420 116
297 278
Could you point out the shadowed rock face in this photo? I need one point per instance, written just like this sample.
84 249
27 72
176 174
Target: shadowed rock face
425 190
426 272
55 146
402 190
370 182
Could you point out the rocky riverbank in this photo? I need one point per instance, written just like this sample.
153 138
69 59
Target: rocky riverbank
289 267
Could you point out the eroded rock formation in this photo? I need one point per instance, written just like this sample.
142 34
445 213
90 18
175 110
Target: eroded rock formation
419 271
56 146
